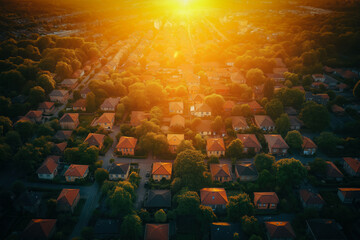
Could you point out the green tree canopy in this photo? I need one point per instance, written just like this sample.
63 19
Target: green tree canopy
160 216
264 161
274 108
131 227
239 206
290 172
235 149
283 124
294 139
101 175
315 116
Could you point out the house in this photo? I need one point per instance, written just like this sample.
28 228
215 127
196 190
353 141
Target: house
215 147
39 229
255 107
176 107
69 121
290 111
75 172
264 122
161 170
204 128
110 104
280 70
67 200
201 110
276 144
337 110
177 121
47 108
277 77
28 202
318 77
158 199
84 92
332 172
215 198
48 168
341 87
237 77
321 229
59 148
246 172
319 85
349 195
279 230
295 123
225 231
69 83
159 231
95 139
106 121
352 166
34 116
79 105
310 199
228 106
250 142
174 140
198 98
308 146
321 98
239 123
137 117
60 96
126 145
119 171
63 134
220 172
265 200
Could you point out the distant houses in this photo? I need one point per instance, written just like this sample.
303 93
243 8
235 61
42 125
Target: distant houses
266 200
76 172
215 198
126 145
161 170
69 121
106 121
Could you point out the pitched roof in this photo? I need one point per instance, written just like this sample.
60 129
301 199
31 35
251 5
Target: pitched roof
280 230
175 139
94 139
239 122
337 109
39 229
126 142
46 105
264 121
332 171
325 229
308 143
119 168
295 121
265 197
350 193
228 105
275 141
237 77
198 98
215 144
213 196
76 170
176 106
310 197
204 126
63 134
353 163
69 81
68 196
33 114
80 103
160 168
246 169
202 107
249 140
254 105
48 166
110 103
85 90
105 118
60 146
137 117
158 199
69 117
177 120
219 170
58 93
157 231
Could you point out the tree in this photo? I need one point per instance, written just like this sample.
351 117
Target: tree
264 161
5 153
12 80
268 89
356 90
188 203
294 139
250 225
144 215
36 95
315 116
206 216
255 237
5 104
131 227
185 145
87 233
90 102
28 157
190 167
290 172
5 125
327 141
155 143
318 166
215 102
238 206
242 110
266 180
283 124
274 108
235 149
291 97
13 139
217 124
63 70
18 187
160 216
120 201
101 175
134 179
255 76
46 82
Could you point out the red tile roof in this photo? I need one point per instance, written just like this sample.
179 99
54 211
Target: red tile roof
157 231
94 139
213 196
176 106
80 103
219 170
39 229
332 171
353 163
48 166
175 139
33 114
46 105
308 143
310 197
203 107
69 117
280 230
275 141
215 144
249 140
76 170
264 121
265 197
105 118
228 105
350 193
160 168
126 142
177 120
68 196
239 122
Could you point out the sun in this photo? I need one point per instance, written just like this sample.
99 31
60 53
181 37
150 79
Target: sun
185 2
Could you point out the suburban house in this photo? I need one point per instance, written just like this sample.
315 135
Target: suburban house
84 92
308 146
246 172
295 123
276 144
332 172
110 104
239 123
158 199
95 139
352 166
75 172
255 107
320 229
69 121
63 134
290 111
69 83
60 96
161 170
228 106
215 147
119 171
319 85
67 200
174 140
177 121
176 107
126 145
310 199
225 231
220 172
237 77
250 142
318 77
349 195
157 231
48 168
79 105
59 148
215 198
279 230
264 122
277 77
204 128
201 110
337 110
198 98
137 117
265 200
34 115
106 121
47 108
39 229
